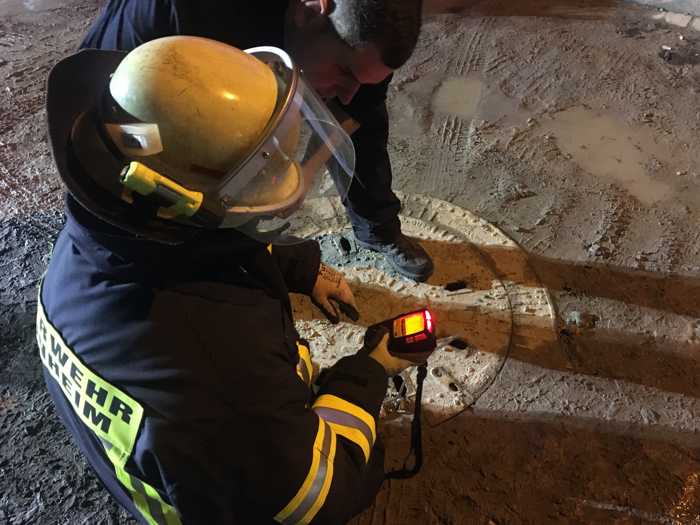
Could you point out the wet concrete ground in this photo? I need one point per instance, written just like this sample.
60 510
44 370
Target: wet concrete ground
578 138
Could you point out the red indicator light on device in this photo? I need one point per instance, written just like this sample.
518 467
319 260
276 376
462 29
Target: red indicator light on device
429 321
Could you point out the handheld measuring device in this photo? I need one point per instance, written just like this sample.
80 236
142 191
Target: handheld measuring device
411 335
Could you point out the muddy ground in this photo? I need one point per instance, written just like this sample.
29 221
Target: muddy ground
578 138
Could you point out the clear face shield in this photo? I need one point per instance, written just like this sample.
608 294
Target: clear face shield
305 154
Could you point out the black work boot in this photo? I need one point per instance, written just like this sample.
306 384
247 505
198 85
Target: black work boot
405 255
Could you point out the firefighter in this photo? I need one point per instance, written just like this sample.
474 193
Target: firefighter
347 50
164 323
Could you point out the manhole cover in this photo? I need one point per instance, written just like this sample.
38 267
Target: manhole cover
478 300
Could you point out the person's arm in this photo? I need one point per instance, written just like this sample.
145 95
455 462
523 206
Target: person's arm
299 264
125 24
292 459
345 443
303 272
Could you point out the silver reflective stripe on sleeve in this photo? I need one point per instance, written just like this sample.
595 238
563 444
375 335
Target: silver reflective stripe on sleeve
312 495
348 420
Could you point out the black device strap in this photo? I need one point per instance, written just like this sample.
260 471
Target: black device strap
373 336
416 449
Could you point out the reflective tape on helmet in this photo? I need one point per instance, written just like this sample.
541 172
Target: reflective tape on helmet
348 420
137 139
111 414
312 494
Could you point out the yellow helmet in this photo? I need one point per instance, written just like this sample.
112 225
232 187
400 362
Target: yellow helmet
205 134
208 102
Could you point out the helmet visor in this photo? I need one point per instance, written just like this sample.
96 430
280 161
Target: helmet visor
307 154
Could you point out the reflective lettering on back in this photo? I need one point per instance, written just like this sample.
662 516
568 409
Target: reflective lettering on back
96 393
98 419
110 413
56 350
118 407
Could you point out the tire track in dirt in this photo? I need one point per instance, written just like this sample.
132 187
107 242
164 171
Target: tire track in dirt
452 130
616 75
536 82
472 58
500 62
613 226
540 75
472 62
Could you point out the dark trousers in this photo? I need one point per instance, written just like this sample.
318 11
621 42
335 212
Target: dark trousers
370 202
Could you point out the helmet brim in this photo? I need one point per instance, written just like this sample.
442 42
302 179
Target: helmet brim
74 87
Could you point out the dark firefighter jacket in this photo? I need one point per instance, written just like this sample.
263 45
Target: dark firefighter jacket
179 373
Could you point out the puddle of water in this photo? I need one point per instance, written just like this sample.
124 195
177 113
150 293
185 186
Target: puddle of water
600 143
16 7
469 97
606 147
458 96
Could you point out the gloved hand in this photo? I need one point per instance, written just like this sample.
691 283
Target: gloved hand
332 295
380 352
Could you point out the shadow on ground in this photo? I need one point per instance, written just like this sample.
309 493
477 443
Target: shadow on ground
484 468
670 365
661 363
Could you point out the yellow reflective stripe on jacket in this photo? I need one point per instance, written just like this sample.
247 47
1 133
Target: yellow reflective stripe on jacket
147 500
312 494
112 415
348 420
305 369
